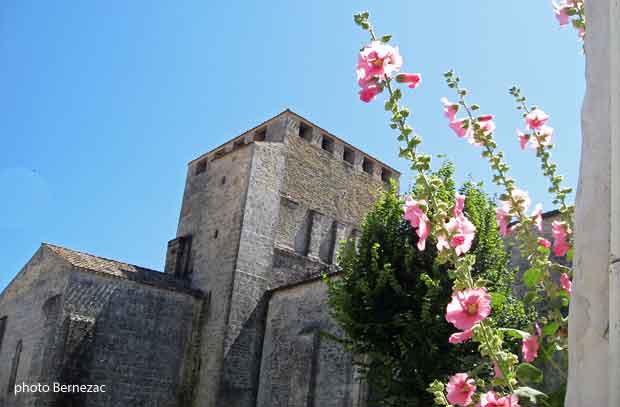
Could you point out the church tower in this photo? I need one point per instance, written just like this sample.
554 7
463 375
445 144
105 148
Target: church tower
265 210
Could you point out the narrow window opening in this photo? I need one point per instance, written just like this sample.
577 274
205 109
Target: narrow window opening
239 144
14 367
223 180
327 144
385 175
2 330
216 234
201 167
305 131
367 166
260 135
349 156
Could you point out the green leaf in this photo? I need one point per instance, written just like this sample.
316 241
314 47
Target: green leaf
498 300
386 38
515 333
529 393
533 276
529 373
551 328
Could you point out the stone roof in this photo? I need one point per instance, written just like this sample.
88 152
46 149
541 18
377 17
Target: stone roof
119 269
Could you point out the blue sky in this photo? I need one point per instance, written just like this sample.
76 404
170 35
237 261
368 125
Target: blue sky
104 103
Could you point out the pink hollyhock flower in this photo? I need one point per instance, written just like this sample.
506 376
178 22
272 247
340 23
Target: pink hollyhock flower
544 133
460 388
566 284
369 91
458 126
530 346
537 216
460 337
522 197
523 139
486 123
461 235
491 399
544 242
459 205
497 371
535 119
560 11
502 220
449 109
418 219
378 60
413 79
560 232
468 307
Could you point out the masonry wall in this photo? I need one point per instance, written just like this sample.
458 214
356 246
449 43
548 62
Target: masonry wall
212 213
129 337
31 305
300 367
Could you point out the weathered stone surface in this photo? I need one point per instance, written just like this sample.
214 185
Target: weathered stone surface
261 215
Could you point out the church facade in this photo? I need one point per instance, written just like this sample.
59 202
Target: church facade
235 318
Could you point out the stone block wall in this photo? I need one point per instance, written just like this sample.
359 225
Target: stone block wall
31 307
300 367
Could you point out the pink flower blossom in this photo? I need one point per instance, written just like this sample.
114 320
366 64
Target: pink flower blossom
492 399
461 233
560 232
502 220
544 134
535 119
460 388
497 371
378 60
459 205
458 126
537 216
522 198
566 284
413 79
530 346
468 307
560 11
460 337
486 123
369 91
544 242
449 109
418 219
523 139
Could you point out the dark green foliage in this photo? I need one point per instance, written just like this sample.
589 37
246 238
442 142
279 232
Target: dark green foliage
390 298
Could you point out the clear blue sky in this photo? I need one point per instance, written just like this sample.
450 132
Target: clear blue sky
103 103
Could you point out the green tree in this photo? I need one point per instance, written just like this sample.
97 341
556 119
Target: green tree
390 298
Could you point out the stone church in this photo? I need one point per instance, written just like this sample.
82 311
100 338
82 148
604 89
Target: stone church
234 319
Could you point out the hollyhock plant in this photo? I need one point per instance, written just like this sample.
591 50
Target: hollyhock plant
378 60
544 242
560 233
413 79
461 233
449 109
536 119
566 284
530 346
416 217
491 399
468 307
561 12
460 337
460 388
369 91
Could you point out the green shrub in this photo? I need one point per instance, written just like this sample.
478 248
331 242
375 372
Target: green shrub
390 298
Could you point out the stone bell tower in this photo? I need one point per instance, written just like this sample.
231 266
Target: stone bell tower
264 210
